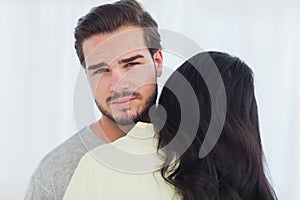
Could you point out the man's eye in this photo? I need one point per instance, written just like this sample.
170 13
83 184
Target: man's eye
99 71
131 64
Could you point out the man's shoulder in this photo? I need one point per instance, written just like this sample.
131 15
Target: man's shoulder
71 150
56 169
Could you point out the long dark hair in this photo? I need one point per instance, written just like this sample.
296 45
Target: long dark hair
234 168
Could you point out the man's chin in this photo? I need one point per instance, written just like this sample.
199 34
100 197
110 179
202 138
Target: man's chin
125 122
127 117
128 120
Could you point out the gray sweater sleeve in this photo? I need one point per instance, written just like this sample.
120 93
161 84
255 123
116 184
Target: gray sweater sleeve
52 176
36 191
41 183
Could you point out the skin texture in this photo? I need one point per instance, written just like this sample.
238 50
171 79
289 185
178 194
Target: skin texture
122 76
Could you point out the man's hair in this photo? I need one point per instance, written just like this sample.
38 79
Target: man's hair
109 17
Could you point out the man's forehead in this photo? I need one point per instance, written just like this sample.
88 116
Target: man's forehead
114 45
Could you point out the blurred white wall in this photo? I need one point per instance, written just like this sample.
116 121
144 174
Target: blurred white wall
39 69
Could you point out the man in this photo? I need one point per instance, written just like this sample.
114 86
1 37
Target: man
119 48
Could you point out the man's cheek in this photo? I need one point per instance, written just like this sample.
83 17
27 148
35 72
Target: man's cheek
140 76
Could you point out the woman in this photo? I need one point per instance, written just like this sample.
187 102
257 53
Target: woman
234 165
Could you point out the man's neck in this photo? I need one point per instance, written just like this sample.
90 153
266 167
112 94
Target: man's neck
109 131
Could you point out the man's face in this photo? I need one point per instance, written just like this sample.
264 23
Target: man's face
122 74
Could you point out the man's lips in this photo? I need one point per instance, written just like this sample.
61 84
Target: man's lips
124 101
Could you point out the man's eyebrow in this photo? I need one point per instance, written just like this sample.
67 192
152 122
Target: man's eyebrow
126 60
96 66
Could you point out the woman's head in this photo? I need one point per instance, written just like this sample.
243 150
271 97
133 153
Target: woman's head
233 168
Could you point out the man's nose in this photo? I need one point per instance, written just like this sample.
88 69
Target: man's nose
119 81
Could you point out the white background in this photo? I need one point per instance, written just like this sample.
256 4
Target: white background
39 70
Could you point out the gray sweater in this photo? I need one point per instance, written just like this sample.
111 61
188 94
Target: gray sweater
52 176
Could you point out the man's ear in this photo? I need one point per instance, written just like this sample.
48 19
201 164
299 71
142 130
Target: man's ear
158 60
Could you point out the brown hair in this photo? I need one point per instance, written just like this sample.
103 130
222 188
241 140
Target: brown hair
109 17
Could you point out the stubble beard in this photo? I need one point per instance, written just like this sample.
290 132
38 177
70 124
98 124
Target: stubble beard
129 119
